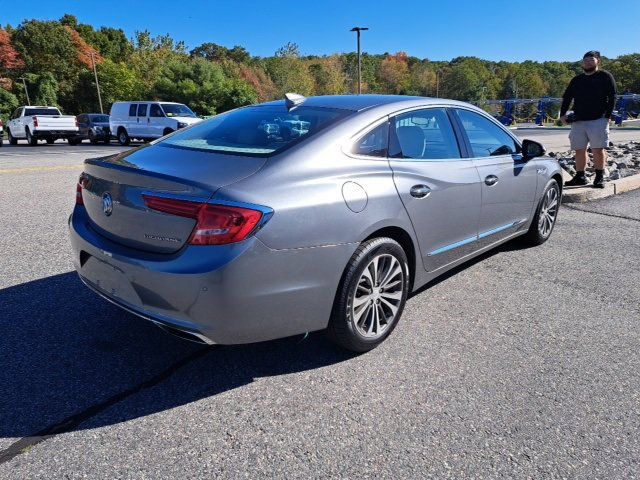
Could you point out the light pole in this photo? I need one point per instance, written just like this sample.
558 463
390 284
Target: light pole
24 82
95 73
358 30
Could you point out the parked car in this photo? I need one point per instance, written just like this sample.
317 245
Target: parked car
1 133
94 126
240 230
148 120
34 123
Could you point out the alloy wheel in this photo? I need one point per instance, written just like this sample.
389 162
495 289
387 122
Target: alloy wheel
378 296
548 212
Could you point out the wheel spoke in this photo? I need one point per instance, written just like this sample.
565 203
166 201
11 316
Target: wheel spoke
391 274
392 295
362 313
392 307
360 300
374 314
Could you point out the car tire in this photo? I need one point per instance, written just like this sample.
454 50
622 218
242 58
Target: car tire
92 138
73 141
545 217
1 139
50 140
364 314
12 139
167 131
31 140
123 137
107 141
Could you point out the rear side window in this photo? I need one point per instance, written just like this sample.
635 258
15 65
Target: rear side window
133 109
373 143
255 131
423 134
28 112
142 110
155 111
486 138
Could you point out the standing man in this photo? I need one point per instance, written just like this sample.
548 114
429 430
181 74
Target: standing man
593 93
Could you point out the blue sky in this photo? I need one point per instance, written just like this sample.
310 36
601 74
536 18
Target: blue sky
494 30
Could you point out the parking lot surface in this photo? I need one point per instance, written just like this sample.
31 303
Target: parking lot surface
522 363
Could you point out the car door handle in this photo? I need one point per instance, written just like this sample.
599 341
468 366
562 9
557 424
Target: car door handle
491 180
420 191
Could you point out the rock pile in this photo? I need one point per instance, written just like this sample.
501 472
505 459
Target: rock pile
623 160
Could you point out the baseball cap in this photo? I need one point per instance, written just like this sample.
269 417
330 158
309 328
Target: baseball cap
592 53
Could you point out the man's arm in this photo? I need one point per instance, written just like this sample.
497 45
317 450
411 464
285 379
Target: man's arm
611 96
566 98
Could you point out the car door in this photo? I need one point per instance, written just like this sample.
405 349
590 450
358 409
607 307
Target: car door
142 121
439 188
131 123
156 120
15 125
508 181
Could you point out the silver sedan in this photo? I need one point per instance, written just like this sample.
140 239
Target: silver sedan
306 214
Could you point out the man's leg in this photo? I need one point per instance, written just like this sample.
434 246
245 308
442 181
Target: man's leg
579 141
599 158
580 177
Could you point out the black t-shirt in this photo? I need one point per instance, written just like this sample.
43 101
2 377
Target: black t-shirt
593 95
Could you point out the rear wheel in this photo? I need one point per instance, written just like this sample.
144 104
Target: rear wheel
73 141
92 138
107 140
31 140
167 131
371 295
50 140
123 137
545 217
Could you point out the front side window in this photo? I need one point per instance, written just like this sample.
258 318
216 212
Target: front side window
16 114
423 134
177 110
256 130
486 138
132 109
155 111
373 143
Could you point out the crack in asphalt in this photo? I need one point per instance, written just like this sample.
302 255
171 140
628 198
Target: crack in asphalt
70 423
601 213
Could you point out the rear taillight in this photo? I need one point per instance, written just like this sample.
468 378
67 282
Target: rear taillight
82 181
215 224
35 121
76 120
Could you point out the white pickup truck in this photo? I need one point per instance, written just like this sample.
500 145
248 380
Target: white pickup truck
34 123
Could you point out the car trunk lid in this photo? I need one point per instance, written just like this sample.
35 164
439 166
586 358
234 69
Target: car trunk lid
114 188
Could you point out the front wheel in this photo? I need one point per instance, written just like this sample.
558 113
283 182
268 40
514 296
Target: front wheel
545 217
371 295
123 137
12 140
50 140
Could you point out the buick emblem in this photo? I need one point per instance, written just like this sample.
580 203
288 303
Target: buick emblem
107 203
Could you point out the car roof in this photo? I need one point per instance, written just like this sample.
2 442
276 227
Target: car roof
362 102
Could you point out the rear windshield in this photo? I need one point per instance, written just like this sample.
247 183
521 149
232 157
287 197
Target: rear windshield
255 131
177 110
28 112
100 118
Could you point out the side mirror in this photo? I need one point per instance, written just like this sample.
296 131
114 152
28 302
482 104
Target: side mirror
531 149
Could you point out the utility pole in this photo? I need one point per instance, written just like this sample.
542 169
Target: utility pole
95 73
437 83
24 82
358 30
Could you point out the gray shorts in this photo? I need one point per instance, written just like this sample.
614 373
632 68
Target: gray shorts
589 132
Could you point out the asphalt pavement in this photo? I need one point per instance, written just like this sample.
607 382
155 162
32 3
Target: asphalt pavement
523 363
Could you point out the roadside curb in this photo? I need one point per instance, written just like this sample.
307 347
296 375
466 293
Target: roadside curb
587 194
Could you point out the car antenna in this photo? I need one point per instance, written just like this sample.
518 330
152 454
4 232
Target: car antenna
293 100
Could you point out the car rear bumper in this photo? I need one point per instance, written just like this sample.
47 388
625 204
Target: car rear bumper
54 133
227 294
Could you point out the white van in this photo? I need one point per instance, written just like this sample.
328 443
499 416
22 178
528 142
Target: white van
148 120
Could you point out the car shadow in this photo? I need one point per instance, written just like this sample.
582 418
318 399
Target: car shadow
68 354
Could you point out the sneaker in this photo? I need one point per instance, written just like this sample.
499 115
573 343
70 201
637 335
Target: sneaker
598 182
577 181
